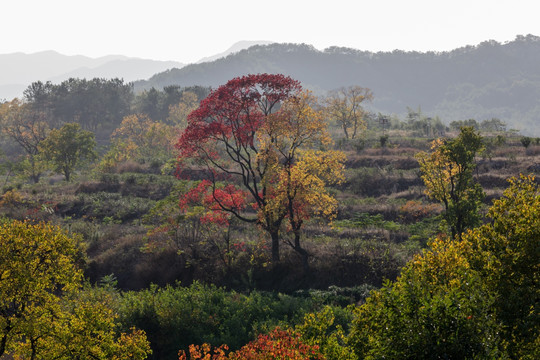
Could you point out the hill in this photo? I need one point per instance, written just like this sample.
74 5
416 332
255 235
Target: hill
20 69
483 81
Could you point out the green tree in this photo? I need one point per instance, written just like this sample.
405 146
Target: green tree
475 298
525 141
68 147
493 125
447 173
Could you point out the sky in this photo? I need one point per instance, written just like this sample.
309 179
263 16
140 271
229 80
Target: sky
187 31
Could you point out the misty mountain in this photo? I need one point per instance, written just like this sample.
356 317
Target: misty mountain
236 47
19 70
481 82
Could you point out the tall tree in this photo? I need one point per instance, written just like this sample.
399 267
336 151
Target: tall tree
344 106
68 147
94 104
251 132
447 173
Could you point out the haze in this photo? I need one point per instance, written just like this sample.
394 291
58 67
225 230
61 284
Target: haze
187 31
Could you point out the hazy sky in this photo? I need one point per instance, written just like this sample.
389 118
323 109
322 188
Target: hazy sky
189 30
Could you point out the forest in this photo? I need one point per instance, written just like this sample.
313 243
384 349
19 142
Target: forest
260 220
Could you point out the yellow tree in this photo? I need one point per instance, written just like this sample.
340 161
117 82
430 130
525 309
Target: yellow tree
447 173
344 106
300 174
462 299
150 139
42 311
178 113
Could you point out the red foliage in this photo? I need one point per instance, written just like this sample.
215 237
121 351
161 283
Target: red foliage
235 111
218 202
279 344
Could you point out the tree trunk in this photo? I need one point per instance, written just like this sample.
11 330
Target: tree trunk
275 247
301 251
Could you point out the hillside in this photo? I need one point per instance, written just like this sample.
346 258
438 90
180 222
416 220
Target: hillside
483 81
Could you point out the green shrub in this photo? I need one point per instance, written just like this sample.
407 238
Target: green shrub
174 317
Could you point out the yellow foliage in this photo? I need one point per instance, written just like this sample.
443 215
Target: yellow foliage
138 137
43 311
297 176
178 113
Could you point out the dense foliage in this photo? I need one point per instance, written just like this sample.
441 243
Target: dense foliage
475 298
43 312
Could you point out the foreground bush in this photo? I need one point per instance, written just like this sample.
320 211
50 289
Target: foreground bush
176 317
44 314
278 344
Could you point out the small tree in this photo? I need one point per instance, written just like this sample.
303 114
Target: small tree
344 105
28 127
525 141
68 147
448 175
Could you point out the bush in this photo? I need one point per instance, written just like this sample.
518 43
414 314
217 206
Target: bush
175 317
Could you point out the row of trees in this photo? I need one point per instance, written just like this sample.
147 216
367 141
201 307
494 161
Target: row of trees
97 107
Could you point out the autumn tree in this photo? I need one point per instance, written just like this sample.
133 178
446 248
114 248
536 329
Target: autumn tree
68 147
179 112
474 298
344 106
43 313
447 173
256 133
27 127
150 139
139 138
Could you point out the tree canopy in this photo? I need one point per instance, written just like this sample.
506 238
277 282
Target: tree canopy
43 312
68 147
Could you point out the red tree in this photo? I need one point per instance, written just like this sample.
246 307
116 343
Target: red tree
254 133
222 136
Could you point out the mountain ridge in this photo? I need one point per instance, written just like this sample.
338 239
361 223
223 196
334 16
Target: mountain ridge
481 81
